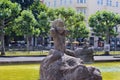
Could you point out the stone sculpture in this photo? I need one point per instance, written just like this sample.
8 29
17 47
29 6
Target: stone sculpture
60 66
85 53
58 32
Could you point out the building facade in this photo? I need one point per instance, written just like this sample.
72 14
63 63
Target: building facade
87 7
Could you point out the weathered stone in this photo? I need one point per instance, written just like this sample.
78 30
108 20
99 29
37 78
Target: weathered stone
70 52
58 32
85 53
63 67
50 67
60 66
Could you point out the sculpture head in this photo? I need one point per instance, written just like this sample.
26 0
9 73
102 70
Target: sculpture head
59 26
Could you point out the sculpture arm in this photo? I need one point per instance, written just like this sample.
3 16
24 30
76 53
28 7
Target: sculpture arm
66 32
52 32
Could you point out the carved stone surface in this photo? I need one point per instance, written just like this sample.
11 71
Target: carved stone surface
85 53
63 67
60 66
58 32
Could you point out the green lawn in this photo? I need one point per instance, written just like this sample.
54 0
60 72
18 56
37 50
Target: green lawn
34 53
25 53
19 72
110 71
111 52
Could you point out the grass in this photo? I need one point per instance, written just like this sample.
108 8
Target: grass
110 71
26 53
19 72
111 52
36 53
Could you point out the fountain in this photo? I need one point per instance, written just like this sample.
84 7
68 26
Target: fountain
58 65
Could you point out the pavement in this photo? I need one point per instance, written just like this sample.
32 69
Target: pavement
21 59
38 59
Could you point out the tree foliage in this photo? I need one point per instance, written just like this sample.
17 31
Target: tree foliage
79 29
25 25
39 10
8 12
103 23
43 23
25 4
37 7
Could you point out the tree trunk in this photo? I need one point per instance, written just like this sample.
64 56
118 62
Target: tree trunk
27 37
2 39
107 44
2 45
33 46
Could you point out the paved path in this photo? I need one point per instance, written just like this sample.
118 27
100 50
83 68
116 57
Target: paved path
106 58
39 59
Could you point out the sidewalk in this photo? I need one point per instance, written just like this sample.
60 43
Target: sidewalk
39 59
20 59
106 58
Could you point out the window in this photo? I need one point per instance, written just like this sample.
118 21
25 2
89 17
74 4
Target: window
100 2
81 10
70 1
45 3
48 3
117 4
65 2
81 1
84 1
109 3
77 1
61 2
54 3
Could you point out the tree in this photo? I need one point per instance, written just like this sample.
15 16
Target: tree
25 25
8 12
103 23
25 4
51 13
43 23
78 28
39 10
37 7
